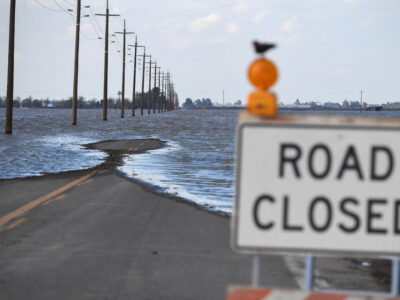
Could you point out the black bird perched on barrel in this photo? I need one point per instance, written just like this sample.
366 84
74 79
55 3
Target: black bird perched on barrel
262 47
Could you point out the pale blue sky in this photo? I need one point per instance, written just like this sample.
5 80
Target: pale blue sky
327 50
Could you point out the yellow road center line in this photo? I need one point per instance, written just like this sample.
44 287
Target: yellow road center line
60 197
16 223
87 181
27 207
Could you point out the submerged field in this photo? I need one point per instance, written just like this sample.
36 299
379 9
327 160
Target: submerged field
197 164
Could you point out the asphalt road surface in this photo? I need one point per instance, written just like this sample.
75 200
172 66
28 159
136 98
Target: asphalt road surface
95 235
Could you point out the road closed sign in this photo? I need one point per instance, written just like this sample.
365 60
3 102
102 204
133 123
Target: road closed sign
317 184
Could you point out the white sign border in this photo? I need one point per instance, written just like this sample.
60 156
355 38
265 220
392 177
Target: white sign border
301 251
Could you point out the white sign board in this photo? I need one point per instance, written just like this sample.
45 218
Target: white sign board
318 186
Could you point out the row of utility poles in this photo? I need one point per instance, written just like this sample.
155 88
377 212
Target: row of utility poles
165 84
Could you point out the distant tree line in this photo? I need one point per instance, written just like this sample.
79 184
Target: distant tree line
346 104
206 102
330 104
83 103
189 103
391 105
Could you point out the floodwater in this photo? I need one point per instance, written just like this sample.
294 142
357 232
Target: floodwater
197 164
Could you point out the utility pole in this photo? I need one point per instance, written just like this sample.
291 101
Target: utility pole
10 73
159 90
162 92
169 92
154 86
149 96
105 88
134 77
166 92
361 101
171 87
141 97
123 68
223 98
173 96
76 63
143 70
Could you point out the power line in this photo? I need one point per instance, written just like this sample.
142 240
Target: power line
97 23
73 5
62 8
73 19
48 8
94 24
118 50
97 32
94 27
118 44
97 27
88 38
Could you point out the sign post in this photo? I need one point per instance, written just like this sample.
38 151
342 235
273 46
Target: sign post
395 277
